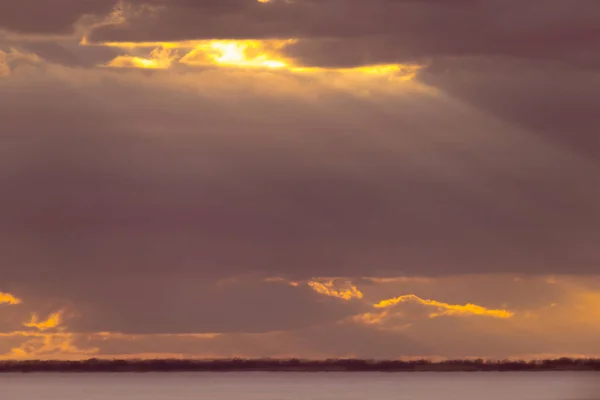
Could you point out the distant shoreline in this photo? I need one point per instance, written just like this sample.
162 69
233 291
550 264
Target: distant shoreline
296 365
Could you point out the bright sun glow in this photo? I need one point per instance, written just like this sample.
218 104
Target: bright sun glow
238 53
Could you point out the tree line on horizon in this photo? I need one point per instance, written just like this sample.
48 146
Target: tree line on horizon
298 365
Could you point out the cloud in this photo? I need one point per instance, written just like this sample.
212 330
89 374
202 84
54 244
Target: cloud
174 306
56 17
353 32
53 321
375 32
152 186
36 343
250 53
7 298
52 346
12 57
158 59
360 332
445 309
545 99
333 288
304 343
254 54
175 180
278 174
370 318
335 33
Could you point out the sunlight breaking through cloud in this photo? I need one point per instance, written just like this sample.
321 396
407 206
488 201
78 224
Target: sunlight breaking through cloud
445 309
256 54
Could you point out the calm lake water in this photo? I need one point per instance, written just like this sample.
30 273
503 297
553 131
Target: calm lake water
302 386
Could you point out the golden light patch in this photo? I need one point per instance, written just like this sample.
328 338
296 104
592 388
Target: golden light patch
585 305
53 321
7 298
344 290
445 309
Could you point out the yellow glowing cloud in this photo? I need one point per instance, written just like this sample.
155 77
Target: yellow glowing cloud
265 54
54 320
332 289
160 58
445 308
7 298
226 53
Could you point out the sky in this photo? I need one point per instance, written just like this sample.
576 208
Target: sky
299 178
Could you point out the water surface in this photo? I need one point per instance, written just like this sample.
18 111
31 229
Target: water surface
303 386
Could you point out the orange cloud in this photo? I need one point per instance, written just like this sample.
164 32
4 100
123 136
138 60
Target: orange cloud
7 298
54 320
50 346
331 288
445 309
